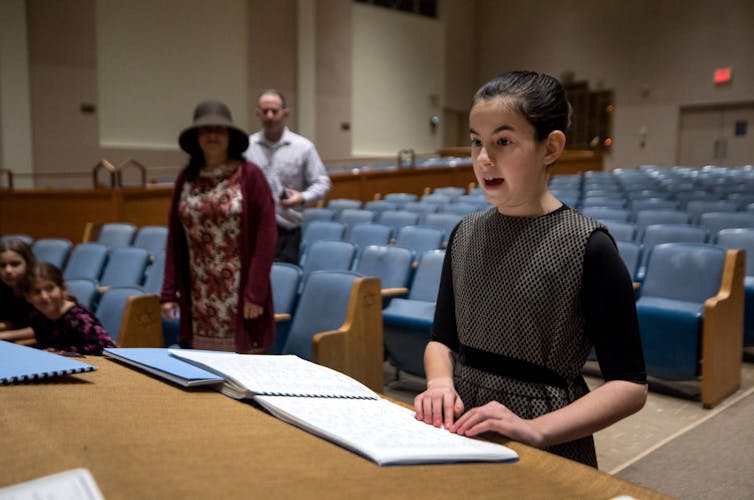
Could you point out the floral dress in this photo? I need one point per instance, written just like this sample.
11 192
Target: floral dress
210 211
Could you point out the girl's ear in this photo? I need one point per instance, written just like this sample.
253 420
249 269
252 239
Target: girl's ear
554 145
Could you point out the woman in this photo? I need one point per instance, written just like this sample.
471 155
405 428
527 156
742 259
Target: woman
60 324
528 288
221 241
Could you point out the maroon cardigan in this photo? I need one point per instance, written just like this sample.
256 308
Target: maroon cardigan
257 250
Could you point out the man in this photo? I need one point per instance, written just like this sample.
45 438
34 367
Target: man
293 169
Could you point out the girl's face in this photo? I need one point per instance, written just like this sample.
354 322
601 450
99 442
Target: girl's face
509 163
46 297
12 268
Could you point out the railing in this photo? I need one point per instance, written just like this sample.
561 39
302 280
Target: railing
406 158
116 173
8 177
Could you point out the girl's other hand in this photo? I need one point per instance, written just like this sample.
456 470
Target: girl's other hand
439 405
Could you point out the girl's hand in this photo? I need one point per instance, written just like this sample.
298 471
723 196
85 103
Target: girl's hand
439 405
497 418
170 310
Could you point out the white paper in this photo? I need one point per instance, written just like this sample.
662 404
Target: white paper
75 484
288 375
385 432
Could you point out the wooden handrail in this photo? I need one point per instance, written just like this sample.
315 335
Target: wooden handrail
114 173
9 176
402 154
133 163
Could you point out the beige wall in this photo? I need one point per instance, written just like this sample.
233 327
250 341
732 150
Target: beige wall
333 81
15 113
157 60
272 61
657 56
398 71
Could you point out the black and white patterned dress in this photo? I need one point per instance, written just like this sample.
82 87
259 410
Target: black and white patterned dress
511 305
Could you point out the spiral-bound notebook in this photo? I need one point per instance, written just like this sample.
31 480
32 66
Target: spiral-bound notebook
249 375
336 407
19 363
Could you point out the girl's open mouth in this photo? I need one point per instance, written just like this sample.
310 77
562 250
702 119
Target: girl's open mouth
495 181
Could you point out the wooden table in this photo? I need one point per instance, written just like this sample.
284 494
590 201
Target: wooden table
144 438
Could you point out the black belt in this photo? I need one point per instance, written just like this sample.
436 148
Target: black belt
505 366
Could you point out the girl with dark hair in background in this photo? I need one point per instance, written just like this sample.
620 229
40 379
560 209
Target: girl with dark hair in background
16 260
60 324
528 287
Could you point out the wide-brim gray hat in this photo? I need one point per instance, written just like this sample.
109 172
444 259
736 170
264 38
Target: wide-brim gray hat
213 114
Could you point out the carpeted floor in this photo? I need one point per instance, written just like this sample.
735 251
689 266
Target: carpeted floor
712 459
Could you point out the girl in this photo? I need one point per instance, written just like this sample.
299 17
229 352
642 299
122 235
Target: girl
60 324
527 288
16 259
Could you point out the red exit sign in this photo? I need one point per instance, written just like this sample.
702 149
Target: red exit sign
723 75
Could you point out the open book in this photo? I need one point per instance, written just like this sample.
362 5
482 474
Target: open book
249 375
336 407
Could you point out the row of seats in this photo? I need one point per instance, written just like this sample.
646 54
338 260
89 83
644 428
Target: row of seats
408 299
677 186
416 239
710 222
675 233
152 239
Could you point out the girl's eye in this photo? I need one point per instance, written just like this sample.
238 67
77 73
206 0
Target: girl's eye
503 142
476 142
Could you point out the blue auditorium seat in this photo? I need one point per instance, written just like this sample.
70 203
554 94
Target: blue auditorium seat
690 316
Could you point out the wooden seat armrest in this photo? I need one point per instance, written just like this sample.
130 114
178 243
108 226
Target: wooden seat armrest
141 325
280 317
393 292
722 334
91 232
356 348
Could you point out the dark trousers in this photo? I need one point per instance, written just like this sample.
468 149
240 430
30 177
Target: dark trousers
288 244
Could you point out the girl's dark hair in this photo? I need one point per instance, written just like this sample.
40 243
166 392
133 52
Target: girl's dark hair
42 271
196 162
22 249
538 97
48 272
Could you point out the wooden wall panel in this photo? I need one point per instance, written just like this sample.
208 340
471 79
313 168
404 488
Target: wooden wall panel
55 214
64 213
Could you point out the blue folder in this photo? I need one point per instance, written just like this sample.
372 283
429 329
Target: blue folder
159 362
19 363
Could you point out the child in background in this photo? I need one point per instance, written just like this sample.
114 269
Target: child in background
16 259
60 324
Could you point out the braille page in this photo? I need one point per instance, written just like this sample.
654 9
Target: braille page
385 432
249 374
